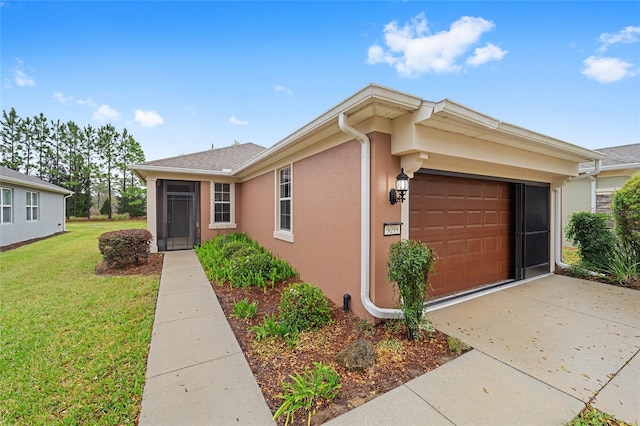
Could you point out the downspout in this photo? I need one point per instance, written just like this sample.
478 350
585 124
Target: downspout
365 223
64 212
591 174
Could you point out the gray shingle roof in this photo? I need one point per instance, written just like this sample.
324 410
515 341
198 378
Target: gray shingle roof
617 156
213 159
12 176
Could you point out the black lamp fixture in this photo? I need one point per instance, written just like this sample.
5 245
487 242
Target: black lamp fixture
402 186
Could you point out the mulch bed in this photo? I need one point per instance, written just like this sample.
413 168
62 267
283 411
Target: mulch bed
273 361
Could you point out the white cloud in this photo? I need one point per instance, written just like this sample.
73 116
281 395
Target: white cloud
234 120
105 113
412 49
64 100
86 102
281 89
489 53
148 118
20 77
626 35
607 70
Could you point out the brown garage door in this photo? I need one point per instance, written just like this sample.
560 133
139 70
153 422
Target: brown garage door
468 223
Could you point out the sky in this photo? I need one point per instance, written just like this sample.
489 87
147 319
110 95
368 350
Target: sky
186 76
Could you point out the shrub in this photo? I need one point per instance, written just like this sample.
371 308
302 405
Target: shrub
594 240
625 207
321 382
245 309
623 267
250 269
303 307
125 247
409 264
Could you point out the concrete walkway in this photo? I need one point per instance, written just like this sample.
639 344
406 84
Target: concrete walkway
196 373
542 350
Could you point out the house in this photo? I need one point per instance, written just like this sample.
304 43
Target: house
592 190
482 193
31 208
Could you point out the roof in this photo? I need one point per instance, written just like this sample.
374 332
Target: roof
8 175
378 101
221 160
618 157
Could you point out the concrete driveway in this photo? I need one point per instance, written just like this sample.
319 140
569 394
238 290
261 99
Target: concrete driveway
577 337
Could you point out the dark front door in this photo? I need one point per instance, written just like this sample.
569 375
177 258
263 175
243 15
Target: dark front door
180 218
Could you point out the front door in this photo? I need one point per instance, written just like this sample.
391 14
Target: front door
180 218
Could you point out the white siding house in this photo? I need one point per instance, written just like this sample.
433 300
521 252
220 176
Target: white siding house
30 207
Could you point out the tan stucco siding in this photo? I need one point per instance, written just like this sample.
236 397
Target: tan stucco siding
384 169
326 219
610 182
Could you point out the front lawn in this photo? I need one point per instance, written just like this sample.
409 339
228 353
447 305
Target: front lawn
73 345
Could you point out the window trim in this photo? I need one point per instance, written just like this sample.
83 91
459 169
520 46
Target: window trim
30 206
232 202
3 205
279 233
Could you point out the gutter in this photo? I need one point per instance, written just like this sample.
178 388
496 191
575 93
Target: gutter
365 224
558 191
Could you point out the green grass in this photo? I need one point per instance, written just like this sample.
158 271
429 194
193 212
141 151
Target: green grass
73 345
570 255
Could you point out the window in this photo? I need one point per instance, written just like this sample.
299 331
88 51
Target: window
32 206
222 203
284 205
222 209
285 198
6 204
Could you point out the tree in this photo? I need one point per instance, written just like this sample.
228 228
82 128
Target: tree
27 135
44 154
625 207
11 147
107 155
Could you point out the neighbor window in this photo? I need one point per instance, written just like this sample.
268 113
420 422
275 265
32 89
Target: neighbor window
6 204
222 203
32 206
285 198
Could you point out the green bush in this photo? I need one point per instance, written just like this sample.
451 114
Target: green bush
625 207
125 247
242 262
245 309
303 391
595 241
251 269
303 307
408 265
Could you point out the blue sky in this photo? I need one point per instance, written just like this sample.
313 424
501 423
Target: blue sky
183 76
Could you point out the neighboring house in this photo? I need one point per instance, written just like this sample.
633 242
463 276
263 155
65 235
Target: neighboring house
31 208
592 190
482 193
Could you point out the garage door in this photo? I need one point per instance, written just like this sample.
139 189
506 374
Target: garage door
469 224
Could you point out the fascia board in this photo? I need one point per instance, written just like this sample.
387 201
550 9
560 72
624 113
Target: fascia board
468 115
630 166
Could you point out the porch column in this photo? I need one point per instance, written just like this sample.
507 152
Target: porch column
152 214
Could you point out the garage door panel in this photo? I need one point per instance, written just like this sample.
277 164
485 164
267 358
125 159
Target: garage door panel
468 223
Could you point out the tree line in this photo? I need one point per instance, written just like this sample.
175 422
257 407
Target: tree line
91 162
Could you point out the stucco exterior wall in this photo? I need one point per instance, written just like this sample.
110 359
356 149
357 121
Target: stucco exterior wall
326 219
384 169
51 216
576 197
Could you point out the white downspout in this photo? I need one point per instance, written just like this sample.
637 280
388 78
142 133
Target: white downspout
365 226
558 250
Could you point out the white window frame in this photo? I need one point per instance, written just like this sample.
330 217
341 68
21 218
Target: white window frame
279 232
3 204
232 202
31 207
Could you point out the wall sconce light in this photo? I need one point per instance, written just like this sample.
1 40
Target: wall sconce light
402 186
